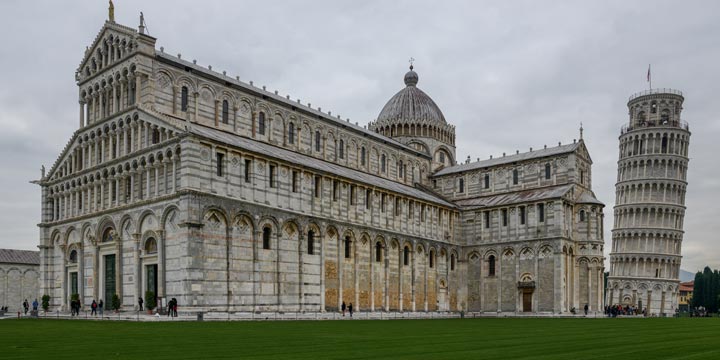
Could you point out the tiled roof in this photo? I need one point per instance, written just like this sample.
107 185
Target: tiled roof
10 256
587 197
515 197
509 159
687 286
287 102
313 163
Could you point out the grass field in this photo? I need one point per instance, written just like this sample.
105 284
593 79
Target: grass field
512 338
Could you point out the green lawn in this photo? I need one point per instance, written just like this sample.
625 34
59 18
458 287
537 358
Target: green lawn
685 338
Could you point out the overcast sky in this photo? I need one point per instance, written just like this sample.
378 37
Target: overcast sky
509 75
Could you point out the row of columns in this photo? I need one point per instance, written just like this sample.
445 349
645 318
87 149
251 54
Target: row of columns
104 194
645 269
674 145
671 194
655 219
110 99
675 170
115 144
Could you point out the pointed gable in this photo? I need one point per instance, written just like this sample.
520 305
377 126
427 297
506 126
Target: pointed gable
582 151
113 43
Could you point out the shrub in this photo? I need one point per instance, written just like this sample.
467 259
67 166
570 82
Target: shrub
116 302
46 302
150 302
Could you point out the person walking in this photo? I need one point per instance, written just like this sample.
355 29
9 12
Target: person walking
100 307
35 305
175 305
140 303
586 309
93 308
350 309
26 306
343 308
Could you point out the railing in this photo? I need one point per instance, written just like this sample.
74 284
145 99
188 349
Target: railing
654 91
648 124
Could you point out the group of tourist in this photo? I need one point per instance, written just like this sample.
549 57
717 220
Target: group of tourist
75 307
627 310
26 306
349 308
172 307
95 306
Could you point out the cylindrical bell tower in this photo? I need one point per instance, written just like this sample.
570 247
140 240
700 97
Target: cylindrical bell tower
650 203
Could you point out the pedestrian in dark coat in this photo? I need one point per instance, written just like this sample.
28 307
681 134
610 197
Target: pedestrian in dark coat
350 309
100 307
93 308
140 303
26 306
343 308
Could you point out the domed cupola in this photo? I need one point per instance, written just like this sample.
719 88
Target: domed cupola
413 118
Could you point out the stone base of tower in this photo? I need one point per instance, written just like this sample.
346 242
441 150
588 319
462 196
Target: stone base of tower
659 297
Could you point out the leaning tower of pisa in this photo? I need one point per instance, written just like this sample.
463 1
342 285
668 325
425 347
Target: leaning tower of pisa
650 203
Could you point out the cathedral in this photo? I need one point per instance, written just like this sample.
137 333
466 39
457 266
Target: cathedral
183 182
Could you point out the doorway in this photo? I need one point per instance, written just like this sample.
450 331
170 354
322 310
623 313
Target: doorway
73 283
527 301
151 279
109 278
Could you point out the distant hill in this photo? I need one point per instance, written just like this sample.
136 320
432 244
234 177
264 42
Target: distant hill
686 275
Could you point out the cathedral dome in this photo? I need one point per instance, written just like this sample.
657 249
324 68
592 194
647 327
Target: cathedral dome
410 106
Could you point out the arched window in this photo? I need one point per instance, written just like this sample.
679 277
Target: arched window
653 107
432 259
311 242
665 116
131 93
582 215
491 265
225 111
362 156
487 181
73 257
317 141
155 136
400 169
406 256
266 237
641 116
291 133
341 149
452 262
461 185
442 157
664 144
151 246
184 99
348 247
378 252
515 176
382 163
261 123
547 171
